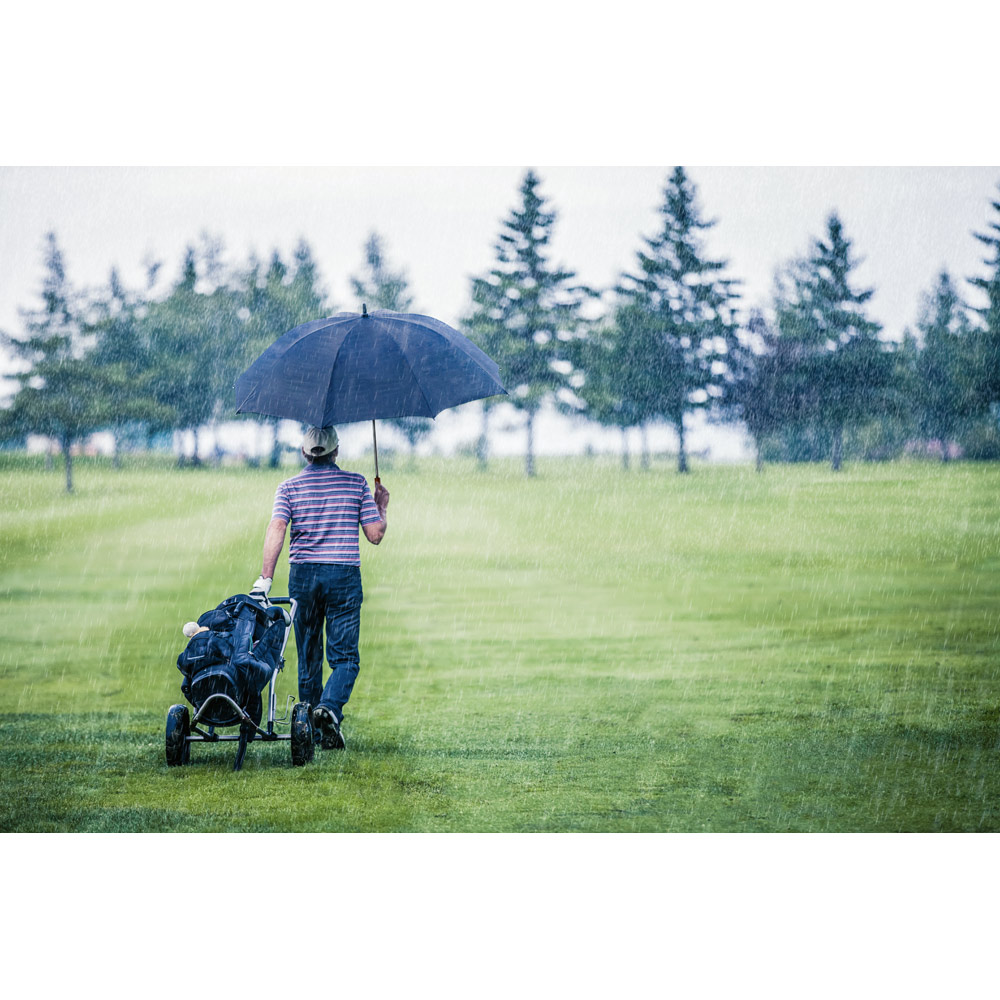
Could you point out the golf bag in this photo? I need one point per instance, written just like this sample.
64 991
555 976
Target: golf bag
235 658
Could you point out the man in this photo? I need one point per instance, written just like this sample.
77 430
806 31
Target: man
324 505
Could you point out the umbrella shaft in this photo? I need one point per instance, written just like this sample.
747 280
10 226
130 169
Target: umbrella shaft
375 445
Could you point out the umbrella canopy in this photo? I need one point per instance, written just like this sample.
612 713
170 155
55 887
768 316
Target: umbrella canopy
353 367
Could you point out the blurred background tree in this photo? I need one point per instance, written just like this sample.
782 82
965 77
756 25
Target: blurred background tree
600 380
378 286
982 438
845 369
195 338
675 317
269 305
759 383
122 347
944 385
525 310
51 332
68 387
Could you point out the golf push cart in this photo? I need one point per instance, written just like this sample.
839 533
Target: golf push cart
236 652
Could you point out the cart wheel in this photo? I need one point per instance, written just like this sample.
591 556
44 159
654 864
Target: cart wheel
178 728
302 743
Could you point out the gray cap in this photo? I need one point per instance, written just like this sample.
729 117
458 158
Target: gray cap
320 441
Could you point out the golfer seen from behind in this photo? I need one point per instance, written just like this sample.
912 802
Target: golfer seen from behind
324 505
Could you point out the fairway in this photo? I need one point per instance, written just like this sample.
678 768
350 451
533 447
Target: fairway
590 650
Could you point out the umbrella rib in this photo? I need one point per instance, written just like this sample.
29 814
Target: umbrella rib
427 402
413 374
239 409
333 365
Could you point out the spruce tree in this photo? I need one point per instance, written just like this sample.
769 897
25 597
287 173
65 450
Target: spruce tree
676 317
306 293
988 339
843 370
758 387
944 365
525 310
68 398
54 330
51 333
271 304
66 392
119 345
599 366
378 286
195 335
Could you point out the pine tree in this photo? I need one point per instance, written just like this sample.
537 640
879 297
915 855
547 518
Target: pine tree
68 398
65 393
54 331
306 293
378 286
944 365
195 337
599 367
51 333
988 339
524 310
272 302
844 370
120 346
758 388
676 316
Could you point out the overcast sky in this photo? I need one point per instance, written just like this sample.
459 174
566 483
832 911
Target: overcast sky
440 222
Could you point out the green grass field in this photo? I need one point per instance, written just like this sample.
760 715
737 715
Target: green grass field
590 650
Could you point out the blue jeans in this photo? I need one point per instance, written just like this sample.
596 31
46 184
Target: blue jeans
329 592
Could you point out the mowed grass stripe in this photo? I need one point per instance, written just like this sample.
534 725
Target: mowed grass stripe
97 592
591 650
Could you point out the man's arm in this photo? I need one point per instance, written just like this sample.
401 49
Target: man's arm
375 531
273 541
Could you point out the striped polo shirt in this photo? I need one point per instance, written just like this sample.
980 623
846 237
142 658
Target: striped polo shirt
325 505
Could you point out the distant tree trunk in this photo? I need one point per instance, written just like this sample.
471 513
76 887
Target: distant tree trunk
644 439
195 459
682 459
838 447
116 459
483 444
67 442
760 458
529 457
624 447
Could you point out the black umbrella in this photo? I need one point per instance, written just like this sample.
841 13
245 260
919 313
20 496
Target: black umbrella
352 367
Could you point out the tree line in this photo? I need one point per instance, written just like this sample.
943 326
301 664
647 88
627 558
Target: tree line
810 377
137 364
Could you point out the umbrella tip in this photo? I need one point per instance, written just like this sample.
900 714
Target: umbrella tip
364 309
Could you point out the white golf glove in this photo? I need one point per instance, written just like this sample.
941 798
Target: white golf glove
262 585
